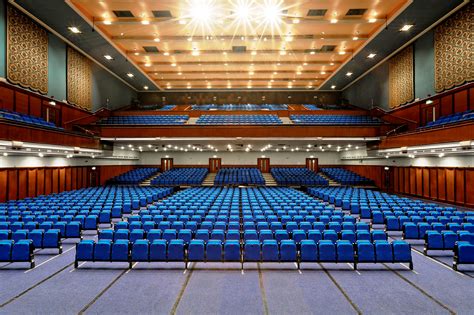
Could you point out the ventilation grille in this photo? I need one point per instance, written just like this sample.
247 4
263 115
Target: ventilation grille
355 12
317 12
161 14
239 49
150 49
328 48
123 14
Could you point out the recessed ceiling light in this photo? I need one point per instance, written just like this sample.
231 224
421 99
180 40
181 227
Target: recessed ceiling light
254 53
166 53
372 20
74 29
312 52
371 56
130 75
333 87
147 64
182 22
5 154
145 87
107 22
156 39
342 52
173 65
355 38
349 74
296 21
406 27
323 72
108 57
282 52
145 22
333 21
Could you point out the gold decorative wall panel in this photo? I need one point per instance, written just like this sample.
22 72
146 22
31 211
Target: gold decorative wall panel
454 50
401 85
27 52
79 79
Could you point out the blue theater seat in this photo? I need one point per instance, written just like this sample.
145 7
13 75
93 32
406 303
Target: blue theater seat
463 254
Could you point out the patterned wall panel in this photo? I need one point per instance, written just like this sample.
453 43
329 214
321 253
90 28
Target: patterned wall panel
27 52
79 79
401 86
454 50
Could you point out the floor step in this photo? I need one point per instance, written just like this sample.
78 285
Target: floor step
147 182
269 180
209 180
331 181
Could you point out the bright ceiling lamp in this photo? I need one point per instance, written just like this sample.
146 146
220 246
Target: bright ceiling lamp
243 10
272 12
202 11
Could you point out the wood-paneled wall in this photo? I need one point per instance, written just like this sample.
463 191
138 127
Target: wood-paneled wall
23 101
18 183
445 184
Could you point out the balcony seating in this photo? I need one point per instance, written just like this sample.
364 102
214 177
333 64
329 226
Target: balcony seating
239 120
181 176
134 177
146 120
346 177
297 176
231 107
27 119
334 120
311 107
239 176
451 119
168 107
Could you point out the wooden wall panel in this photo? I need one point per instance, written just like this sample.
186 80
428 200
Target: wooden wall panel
12 184
35 106
3 184
433 183
419 181
32 182
412 181
68 179
55 180
441 184
40 178
48 181
446 105
22 183
62 179
461 101
426 183
460 185
6 98
469 175
74 178
406 184
22 103
450 183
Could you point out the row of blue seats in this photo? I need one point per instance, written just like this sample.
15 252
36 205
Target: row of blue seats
146 120
134 177
204 234
345 176
297 176
396 223
445 240
239 120
251 251
240 107
181 176
451 119
85 223
239 176
41 238
418 230
66 230
26 119
168 107
20 251
463 254
334 120
311 107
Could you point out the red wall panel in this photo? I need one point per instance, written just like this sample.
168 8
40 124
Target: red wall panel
460 186
55 181
48 181
461 101
433 183
22 183
426 183
419 181
40 181
62 179
68 178
441 184
12 184
35 106
22 103
412 180
469 187
3 185
6 98
446 105
450 185
32 183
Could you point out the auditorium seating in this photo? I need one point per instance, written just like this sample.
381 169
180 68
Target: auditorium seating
181 176
334 120
239 120
446 239
134 177
311 107
463 254
346 177
168 107
239 176
451 119
297 176
231 107
27 119
41 238
17 251
146 120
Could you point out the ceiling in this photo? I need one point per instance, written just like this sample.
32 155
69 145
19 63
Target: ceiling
217 44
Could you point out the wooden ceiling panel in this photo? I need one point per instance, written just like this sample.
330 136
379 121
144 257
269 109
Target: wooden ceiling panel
198 38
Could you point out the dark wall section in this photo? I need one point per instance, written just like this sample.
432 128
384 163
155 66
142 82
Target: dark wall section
108 91
371 90
242 97
424 65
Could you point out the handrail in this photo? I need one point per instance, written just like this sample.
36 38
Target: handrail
87 131
392 115
394 131
67 123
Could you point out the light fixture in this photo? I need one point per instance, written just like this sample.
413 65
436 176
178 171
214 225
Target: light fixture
130 75
372 55
342 52
108 57
53 103
429 102
5 154
182 22
40 154
166 53
156 39
107 22
323 72
333 21
406 27
355 38
145 87
349 74
147 64
272 14
173 65
333 87
372 20
441 155
145 22
74 29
